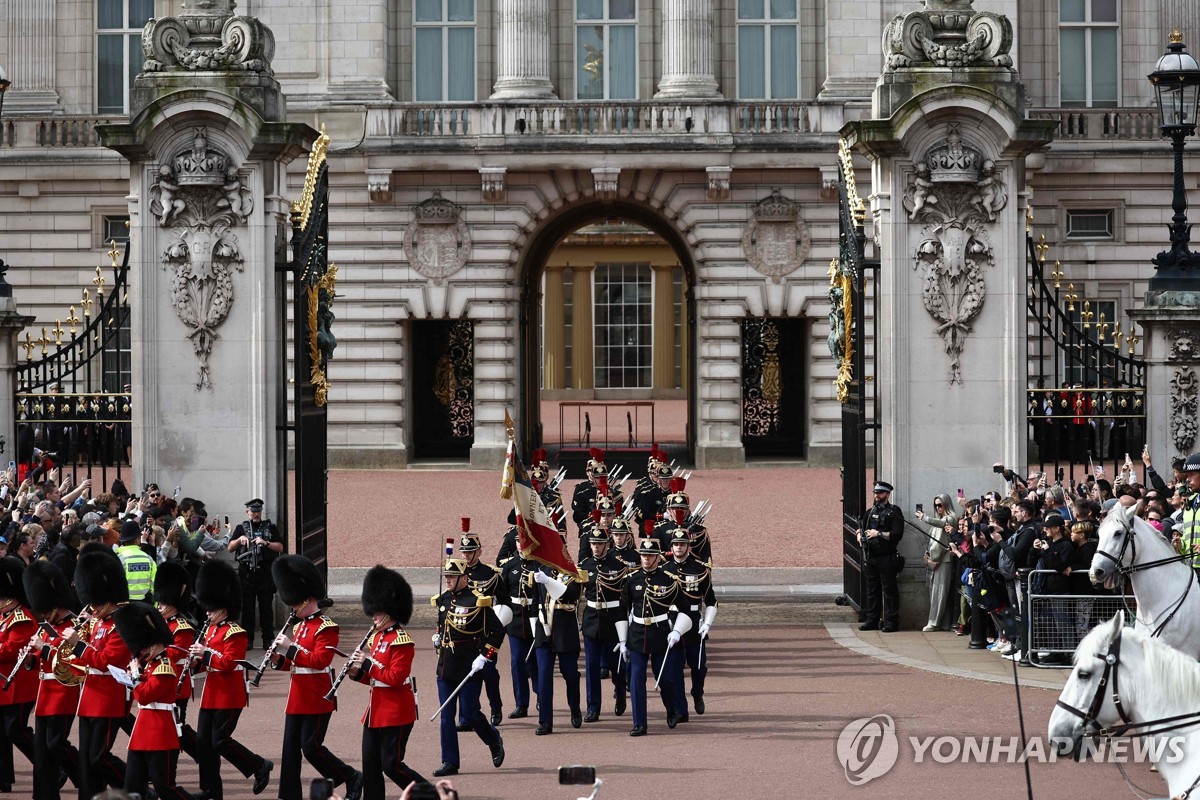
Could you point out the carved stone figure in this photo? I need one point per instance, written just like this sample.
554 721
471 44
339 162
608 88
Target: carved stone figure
989 197
238 199
922 192
165 192
1184 345
1184 388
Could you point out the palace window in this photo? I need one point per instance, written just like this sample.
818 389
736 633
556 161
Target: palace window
623 340
444 50
119 55
1089 53
115 228
606 49
768 60
1090 223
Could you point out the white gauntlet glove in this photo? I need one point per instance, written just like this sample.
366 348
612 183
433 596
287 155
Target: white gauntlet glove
479 663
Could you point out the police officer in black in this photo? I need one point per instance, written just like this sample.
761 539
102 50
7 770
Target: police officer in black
256 543
880 535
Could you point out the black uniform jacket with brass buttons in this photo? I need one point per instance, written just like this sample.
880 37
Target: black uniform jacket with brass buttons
695 592
560 616
467 625
646 600
522 595
602 595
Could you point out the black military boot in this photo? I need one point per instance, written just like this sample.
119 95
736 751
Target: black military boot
544 729
576 718
520 712
445 769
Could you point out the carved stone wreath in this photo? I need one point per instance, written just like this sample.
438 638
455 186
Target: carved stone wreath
438 242
776 241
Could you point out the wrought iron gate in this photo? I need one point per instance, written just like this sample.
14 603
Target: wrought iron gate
773 382
72 404
853 282
443 381
1086 402
313 287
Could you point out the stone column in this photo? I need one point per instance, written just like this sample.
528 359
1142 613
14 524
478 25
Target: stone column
29 29
553 364
12 322
664 328
523 50
687 48
207 209
583 373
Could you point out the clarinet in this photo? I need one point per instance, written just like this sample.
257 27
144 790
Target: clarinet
188 670
22 656
258 673
341 676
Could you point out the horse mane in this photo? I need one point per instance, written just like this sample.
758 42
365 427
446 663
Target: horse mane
1172 677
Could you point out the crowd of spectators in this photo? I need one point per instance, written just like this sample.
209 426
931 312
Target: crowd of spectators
985 555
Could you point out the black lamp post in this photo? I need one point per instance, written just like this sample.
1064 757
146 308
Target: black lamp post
1176 80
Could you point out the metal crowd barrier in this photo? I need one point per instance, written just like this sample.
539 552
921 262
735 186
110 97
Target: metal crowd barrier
1057 623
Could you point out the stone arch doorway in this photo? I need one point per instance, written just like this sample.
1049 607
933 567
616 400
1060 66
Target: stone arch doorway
536 257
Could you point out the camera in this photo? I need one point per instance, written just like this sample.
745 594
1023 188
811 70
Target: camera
320 789
998 469
577 775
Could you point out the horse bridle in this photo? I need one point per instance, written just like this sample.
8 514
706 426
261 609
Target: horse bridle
1121 571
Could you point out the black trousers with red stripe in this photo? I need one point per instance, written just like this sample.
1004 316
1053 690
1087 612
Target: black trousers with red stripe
215 737
304 734
14 731
156 767
98 767
383 754
53 750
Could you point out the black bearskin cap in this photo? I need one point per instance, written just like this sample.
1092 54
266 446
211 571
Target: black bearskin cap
217 587
140 626
47 587
11 584
385 590
297 579
100 579
171 584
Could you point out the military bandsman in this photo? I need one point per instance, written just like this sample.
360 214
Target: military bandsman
17 627
172 593
698 601
606 580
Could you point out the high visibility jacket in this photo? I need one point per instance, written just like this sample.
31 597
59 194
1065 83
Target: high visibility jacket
1190 530
139 570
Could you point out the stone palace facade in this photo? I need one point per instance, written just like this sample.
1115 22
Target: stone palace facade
470 137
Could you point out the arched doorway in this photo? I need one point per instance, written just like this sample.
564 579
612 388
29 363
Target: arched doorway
602 393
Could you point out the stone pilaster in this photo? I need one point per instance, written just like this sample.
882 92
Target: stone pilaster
687 48
29 29
1170 332
582 357
359 46
12 322
664 328
523 50
851 63
553 327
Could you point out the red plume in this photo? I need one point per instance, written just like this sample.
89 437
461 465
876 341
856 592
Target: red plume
539 455
618 507
674 486
648 527
466 524
604 486
682 484
596 453
596 515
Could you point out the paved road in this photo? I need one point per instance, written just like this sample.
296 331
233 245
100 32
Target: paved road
779 695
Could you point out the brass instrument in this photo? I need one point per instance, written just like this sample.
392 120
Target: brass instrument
258 673
66 671
341 676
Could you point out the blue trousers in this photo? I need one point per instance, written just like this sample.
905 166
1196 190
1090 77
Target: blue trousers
689 654
523 671
597 654
479 723
637 684
491 684
568 666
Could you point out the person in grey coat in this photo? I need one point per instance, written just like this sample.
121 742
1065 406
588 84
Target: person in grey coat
939 563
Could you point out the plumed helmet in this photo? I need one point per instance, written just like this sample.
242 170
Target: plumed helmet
297 579
454 566
46 587
598 536
619 525
385 590
100 579
605 505
662 471
680 536
217 587
172 584
12 585
649 547
468 542
140 625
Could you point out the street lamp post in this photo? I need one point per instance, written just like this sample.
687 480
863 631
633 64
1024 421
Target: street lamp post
1176 80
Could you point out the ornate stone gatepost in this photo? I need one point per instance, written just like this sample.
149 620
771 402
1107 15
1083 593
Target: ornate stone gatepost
1170 321
947 145
208 145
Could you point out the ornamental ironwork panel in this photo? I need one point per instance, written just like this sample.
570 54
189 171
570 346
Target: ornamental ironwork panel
761 389
774 421
443 372
73 394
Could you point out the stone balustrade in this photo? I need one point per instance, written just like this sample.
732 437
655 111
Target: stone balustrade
1101 124
52 131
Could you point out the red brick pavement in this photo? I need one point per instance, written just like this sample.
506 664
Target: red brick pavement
778 698
762 517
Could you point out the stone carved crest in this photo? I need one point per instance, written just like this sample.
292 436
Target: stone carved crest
438 242
776 241
206 36
1183 408
199 196
1185 345
956 193
947 33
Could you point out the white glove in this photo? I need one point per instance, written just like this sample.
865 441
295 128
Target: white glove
479 663
540 577
672 639
704 629
437 640
623 650
503 613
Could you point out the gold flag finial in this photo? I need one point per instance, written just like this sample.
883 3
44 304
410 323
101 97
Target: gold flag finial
1176 36
508 424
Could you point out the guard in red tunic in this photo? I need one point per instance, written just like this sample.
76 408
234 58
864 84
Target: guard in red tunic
154 743
172 592
100 581
384 661
17 627
49 594
307 652
221 656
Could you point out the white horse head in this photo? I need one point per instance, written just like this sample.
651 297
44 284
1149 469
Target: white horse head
1125 539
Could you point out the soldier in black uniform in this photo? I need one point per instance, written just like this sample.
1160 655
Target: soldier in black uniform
701 547
601 518
649 479
585 491
256 543
469 635
880 535
557 637
698 600
486 580
522 597
621 534
645 633
651 504
677 507
606 578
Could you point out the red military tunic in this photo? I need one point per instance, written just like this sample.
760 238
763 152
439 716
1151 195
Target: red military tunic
392 702
155 728
309 657
102 696
225 684
183 636
54 698
17 627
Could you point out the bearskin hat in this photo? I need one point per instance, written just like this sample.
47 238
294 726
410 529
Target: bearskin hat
140 625
100 579
217 587
385 590
297 579
11 584
47 588
171 584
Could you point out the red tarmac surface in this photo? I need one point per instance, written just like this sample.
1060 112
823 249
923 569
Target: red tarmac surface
762 517
778 697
